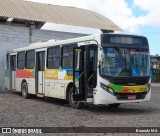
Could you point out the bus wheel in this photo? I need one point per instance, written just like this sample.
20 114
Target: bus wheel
115 105
24 90
73 104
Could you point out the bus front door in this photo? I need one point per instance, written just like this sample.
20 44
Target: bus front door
13 71
39 74
84 72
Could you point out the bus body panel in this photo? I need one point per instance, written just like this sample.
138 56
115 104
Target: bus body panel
55 90
27 75
18 84
56 81
31 85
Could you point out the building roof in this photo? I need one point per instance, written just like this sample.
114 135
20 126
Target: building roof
37 12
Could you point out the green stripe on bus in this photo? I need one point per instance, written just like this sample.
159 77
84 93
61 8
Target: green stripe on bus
7 73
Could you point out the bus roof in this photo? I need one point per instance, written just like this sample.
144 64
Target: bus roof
54 42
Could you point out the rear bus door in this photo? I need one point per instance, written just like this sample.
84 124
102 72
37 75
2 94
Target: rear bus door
39 72
13 71
7 72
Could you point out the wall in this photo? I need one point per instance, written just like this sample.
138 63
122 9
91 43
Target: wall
15 37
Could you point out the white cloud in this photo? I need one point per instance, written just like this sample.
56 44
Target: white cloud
147 4
152 7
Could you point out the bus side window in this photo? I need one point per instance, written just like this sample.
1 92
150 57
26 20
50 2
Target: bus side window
21 60
67 56
53 57
30 59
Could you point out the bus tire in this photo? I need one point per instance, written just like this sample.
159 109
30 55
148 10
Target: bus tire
73 104
24 90
115 105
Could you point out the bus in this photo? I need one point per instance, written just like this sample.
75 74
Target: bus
102 69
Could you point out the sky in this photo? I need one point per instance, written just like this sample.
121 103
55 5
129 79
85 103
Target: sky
140 17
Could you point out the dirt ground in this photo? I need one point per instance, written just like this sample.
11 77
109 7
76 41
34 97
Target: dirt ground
16 111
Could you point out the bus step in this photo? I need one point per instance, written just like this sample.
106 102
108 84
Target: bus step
40 95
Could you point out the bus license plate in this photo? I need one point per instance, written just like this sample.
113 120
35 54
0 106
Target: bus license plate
131 97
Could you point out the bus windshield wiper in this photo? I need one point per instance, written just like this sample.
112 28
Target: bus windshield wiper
123 58
118 50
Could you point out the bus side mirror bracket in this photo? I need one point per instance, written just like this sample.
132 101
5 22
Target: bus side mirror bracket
100 56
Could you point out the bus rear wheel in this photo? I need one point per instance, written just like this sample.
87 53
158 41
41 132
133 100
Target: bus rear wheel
74 104
24 90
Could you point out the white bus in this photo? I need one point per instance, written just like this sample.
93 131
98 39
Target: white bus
98 69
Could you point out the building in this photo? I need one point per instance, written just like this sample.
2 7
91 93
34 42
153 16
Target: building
20 24
155 68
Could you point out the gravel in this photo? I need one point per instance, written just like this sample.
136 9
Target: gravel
16 111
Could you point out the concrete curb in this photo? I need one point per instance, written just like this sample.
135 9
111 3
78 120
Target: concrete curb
155 84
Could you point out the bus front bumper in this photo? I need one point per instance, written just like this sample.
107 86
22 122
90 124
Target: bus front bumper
103 97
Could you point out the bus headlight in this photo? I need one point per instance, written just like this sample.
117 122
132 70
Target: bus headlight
148 88
110 90
107 89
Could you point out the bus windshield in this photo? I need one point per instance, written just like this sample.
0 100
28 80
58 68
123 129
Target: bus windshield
125 62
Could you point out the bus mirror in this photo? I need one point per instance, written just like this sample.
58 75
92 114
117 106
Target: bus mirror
101 56
70 72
